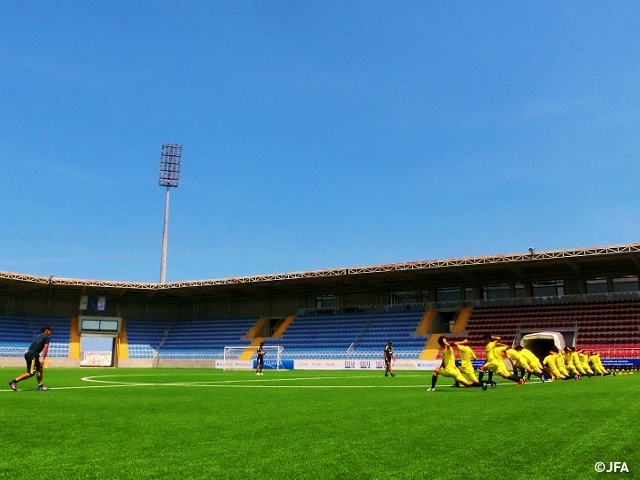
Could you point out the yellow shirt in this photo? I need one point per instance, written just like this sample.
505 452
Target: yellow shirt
498 351
529 356
584 359
449 358
491 346
550 360
514 356
568 359
576 358
466 354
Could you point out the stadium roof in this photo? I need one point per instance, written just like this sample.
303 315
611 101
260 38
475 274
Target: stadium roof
518 267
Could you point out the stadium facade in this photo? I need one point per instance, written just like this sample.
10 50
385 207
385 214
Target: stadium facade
579 274
440 289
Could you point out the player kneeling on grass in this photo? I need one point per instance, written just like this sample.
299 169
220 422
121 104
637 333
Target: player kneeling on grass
568 363
597 366
495 364
575 357
584 361
550 364
448 368
519 362
466 356
532 361
34 363
560 363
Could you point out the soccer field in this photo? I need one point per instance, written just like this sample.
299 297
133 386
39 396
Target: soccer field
169 423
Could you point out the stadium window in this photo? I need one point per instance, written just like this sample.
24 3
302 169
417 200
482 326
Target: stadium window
520 291
326 303
468 293
404 297
553 288
494 292
626 283
596 285
448 294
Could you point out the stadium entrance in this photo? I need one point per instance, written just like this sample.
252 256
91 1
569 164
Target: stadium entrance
98 341
541 343
97 351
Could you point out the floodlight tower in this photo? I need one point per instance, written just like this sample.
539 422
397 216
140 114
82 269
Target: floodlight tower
170 161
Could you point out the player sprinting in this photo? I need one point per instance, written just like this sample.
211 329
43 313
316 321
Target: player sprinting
494 362
35 364
448 368
388 356
260 358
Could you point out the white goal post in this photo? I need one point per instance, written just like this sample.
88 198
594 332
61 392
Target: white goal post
272 358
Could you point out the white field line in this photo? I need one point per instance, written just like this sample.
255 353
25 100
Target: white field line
97 379
255 383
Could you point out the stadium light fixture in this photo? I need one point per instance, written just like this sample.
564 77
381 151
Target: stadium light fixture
169 176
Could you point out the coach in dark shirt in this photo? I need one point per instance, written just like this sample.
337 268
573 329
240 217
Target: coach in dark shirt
34 363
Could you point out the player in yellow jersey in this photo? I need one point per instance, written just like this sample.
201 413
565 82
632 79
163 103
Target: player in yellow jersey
494 362
568 363
466 356
584 361
518 361
597 364
532 360
448 368
551 365
560 362
575 357
490 357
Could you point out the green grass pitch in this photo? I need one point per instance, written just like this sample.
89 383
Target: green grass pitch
170 423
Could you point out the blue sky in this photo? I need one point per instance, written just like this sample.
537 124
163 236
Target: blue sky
316 134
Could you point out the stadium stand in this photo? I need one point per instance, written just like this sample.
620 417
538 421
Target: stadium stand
354 335
17 333
144 337
204 339
612 326
328 336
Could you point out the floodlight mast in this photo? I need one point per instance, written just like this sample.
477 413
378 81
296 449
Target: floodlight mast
169 176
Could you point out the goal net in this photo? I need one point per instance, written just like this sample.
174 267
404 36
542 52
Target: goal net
231 359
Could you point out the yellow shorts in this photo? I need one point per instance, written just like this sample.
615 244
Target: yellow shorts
470 372
497 366
524 364
536 366
557 373
453 373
